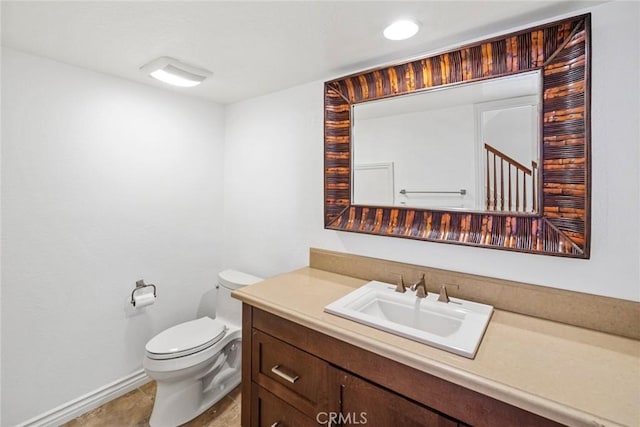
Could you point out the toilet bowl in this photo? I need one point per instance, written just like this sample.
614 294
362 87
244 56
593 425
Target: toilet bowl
196 363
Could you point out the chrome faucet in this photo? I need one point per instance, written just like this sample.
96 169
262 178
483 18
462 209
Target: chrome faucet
420 287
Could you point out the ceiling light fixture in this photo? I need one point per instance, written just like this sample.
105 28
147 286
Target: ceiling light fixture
174 72
401 30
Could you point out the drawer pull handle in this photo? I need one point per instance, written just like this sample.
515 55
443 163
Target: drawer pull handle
276 424
276 370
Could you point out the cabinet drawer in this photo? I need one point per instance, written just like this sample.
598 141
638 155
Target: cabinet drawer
269 411
290 373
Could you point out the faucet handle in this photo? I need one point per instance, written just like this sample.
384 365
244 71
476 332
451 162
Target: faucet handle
443 294
401 286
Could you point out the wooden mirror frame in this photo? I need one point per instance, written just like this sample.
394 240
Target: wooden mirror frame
562 50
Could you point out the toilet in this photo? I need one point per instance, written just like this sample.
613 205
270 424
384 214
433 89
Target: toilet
196 363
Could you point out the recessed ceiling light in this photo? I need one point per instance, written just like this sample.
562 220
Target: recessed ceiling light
401 30
174 72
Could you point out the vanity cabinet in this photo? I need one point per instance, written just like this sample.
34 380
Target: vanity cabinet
291 387
296 376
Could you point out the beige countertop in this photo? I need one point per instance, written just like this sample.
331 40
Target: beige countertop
571 375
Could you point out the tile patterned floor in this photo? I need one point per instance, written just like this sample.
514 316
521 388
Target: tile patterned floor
134 409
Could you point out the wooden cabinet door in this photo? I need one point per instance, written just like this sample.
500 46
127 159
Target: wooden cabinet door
363 403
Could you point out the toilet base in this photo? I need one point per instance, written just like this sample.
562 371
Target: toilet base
164 416
182 396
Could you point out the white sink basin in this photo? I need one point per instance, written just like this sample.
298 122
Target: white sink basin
457 326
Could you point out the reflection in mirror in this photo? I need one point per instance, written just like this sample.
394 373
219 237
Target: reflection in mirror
470 147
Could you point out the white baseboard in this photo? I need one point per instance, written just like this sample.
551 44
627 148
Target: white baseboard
89 401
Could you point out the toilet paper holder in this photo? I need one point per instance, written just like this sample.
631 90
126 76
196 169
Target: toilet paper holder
141 285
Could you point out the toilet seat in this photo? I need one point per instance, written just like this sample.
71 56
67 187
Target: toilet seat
186 339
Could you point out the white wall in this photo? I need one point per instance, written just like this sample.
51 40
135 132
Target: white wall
273 180
104 182
432 150
273 209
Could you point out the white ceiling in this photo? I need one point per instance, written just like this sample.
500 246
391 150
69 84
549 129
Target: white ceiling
253 48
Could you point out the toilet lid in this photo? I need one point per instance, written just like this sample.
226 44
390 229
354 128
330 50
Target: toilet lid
186 338
232 279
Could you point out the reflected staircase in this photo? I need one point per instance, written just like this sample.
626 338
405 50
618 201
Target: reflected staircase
509 186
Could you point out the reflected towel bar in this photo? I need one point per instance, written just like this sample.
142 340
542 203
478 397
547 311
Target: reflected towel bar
462 192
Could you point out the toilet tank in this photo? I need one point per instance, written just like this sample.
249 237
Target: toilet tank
229 309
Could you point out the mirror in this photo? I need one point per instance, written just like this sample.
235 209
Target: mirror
551 215
430 149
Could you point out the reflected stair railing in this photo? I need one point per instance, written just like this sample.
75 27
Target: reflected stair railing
507 182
